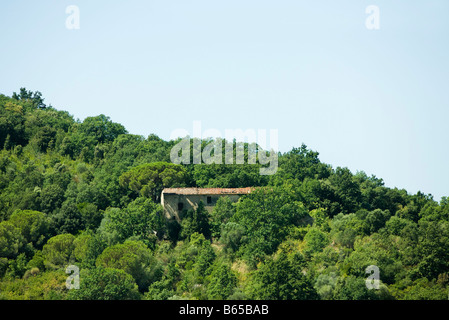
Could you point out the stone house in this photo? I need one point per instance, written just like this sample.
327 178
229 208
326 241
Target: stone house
176 200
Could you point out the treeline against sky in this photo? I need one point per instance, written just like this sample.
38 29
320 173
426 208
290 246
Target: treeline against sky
87 193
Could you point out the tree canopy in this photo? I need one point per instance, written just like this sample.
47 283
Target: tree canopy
87 194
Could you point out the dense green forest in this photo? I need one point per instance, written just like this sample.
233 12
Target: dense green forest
86 193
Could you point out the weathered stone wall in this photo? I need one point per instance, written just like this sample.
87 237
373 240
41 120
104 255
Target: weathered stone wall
170 203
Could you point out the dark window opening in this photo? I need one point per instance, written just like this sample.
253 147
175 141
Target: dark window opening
180 206
209 200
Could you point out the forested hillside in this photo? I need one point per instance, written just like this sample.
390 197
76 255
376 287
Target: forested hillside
86 193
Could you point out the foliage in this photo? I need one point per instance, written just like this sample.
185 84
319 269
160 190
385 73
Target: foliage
223 210
268 214
222 282
105 284
88 192
142 219
280 278
57 252
37 286
134 258
148 180
196 221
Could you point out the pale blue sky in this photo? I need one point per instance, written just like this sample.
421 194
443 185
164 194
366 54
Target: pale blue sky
371 100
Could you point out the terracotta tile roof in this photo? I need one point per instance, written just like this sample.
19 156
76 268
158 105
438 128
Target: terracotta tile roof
206 191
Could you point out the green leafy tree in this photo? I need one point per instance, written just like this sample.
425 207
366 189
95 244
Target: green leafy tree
142 219
17 267
45 138
347 189
268 214
377 250
354 288
346 227
81 248
281 279
300 163
12 125
32 225
51 198
11 240
316 240
166 287
228 175
196 220
325 285
35 98
101 128
57 252
423 289
134 258
150 179
204 259
90 215
89 247
35 286
432 250
68 219
396 225
232 236
223 210
221 282
376 219
105 284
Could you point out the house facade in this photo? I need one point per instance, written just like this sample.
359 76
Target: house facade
176 200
